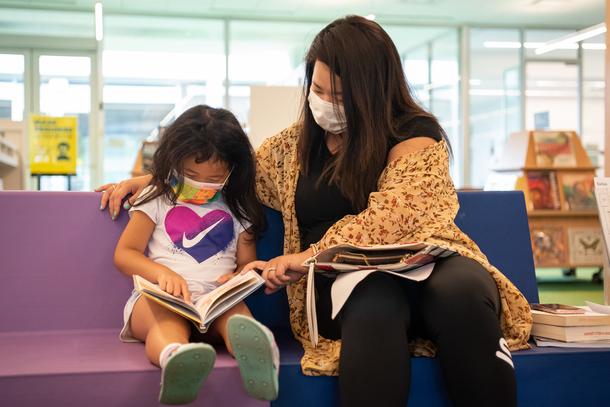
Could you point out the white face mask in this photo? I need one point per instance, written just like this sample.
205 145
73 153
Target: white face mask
325 115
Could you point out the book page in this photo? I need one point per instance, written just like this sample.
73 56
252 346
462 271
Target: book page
209 300
328 254
345 283
310 306
156 294
143 285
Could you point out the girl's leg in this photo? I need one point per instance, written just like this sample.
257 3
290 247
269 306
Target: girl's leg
460 308
157 327
253 346
219 327
185 366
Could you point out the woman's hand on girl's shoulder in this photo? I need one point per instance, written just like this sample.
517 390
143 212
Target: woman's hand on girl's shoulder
113 194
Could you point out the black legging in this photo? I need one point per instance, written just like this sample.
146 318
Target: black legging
457 307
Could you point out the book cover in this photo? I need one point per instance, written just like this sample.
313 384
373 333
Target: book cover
572 333
349 264
554 149
589 318
578 192
543 342
586 246
542 190
549 245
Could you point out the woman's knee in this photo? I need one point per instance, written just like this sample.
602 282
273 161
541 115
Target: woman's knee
459 285
377 300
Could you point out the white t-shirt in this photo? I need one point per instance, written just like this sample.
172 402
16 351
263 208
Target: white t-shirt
197 242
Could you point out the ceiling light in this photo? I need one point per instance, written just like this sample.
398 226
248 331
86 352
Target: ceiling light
527 45
370 17
573 38
502 44
594 46
99 21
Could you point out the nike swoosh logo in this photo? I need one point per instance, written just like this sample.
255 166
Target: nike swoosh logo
188 243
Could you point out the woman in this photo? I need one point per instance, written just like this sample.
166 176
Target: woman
366 165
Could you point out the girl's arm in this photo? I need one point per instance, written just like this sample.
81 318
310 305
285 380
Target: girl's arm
246 253
129 257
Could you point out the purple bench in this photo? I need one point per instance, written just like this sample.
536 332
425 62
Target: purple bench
61 303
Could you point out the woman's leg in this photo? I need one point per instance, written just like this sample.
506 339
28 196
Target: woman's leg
460 308
374 363
157 327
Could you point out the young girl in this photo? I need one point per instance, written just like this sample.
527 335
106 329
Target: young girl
198 219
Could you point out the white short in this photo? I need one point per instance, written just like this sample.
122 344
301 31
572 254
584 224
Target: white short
197 289
126 335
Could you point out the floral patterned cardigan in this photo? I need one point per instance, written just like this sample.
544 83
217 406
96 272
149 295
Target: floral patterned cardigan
416 201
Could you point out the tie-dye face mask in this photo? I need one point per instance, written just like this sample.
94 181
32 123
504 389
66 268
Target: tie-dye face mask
195 192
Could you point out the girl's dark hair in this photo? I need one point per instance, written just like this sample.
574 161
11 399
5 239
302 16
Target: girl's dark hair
208 133
379 107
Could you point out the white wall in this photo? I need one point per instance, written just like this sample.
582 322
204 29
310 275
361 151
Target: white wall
272 109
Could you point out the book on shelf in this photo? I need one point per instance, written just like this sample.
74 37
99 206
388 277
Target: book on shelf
544 342
348 265
209 306
554 149
542 190
586 245
589 318
589 329
577 189
572 333
549 245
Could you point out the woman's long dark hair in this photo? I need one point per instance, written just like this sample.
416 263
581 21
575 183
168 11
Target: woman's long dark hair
209 134
378 104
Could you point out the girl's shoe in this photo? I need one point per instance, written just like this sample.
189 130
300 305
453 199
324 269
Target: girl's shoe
257 356
184 373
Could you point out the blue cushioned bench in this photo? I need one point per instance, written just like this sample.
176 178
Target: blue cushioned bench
498 223
61 309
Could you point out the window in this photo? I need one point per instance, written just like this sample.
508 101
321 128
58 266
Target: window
494 96
155 68
265 54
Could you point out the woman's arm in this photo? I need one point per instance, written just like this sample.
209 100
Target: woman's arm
273 165
416 198
411 197
113 194
129 257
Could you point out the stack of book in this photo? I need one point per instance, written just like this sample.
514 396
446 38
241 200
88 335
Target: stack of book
587 330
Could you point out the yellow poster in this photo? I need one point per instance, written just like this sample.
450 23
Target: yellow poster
53 148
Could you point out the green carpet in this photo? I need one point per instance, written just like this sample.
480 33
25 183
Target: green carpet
554 287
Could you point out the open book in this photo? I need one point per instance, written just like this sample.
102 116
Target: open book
349 265
208 307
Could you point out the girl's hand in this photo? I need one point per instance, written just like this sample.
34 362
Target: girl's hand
281 271
173 283
113 194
